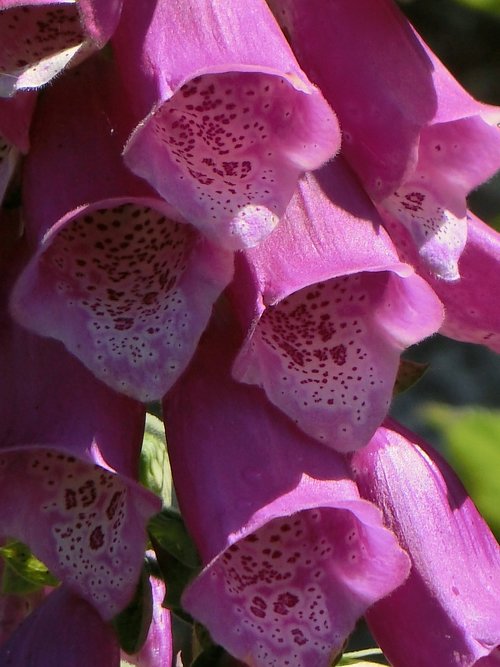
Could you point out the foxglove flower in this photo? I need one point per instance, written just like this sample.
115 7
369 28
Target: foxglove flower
15 608
69 451
157 649
328 308
63 630
471 314
15 119
417 140
39 38
447 612
227 118
292 555
117 275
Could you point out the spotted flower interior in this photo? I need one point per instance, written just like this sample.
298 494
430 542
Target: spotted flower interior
127 290
85 523
282 592
36 42
323 358
226 150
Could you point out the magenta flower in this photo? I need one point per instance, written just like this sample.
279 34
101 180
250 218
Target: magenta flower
470 311
63 630
328 308
15 119
228 120
417 140
292 555
69 451
40 38
157 649
447 611
117 275
15 608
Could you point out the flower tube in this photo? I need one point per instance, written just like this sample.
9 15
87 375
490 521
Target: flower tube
471 314
40 38
81 638
328 308
116 273
418 141
447 611
69 454
292 555
228 120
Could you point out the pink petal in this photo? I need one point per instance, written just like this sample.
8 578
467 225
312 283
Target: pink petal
117 276
85 523
15 608
42 37
447 611
407 124
328 309
64 630
228 121
471 311
292 555
157 650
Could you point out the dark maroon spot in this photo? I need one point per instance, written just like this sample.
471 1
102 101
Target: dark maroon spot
70 500
96 539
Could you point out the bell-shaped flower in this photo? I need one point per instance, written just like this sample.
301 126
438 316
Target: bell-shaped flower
470 304
40 38
116 275
328 308
63 630
447 612
14 608
157 649
69 454
15 119
292 555
226 118
417 140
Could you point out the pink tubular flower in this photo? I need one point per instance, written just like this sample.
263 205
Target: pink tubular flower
328 308
228 119
292 555
117 275
15 608
471 313
447 612
157 649
69 449
15 119
39 38
63 630
417 140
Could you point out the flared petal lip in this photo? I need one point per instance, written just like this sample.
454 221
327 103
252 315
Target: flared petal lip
300 84
156 203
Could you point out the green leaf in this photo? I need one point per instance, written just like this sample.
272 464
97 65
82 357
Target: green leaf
23 573
154 470
490 6
409 372
472 438
169 531
176 555
178 577
132 624
355 658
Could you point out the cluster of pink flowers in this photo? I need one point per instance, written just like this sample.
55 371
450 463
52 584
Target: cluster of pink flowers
246 211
